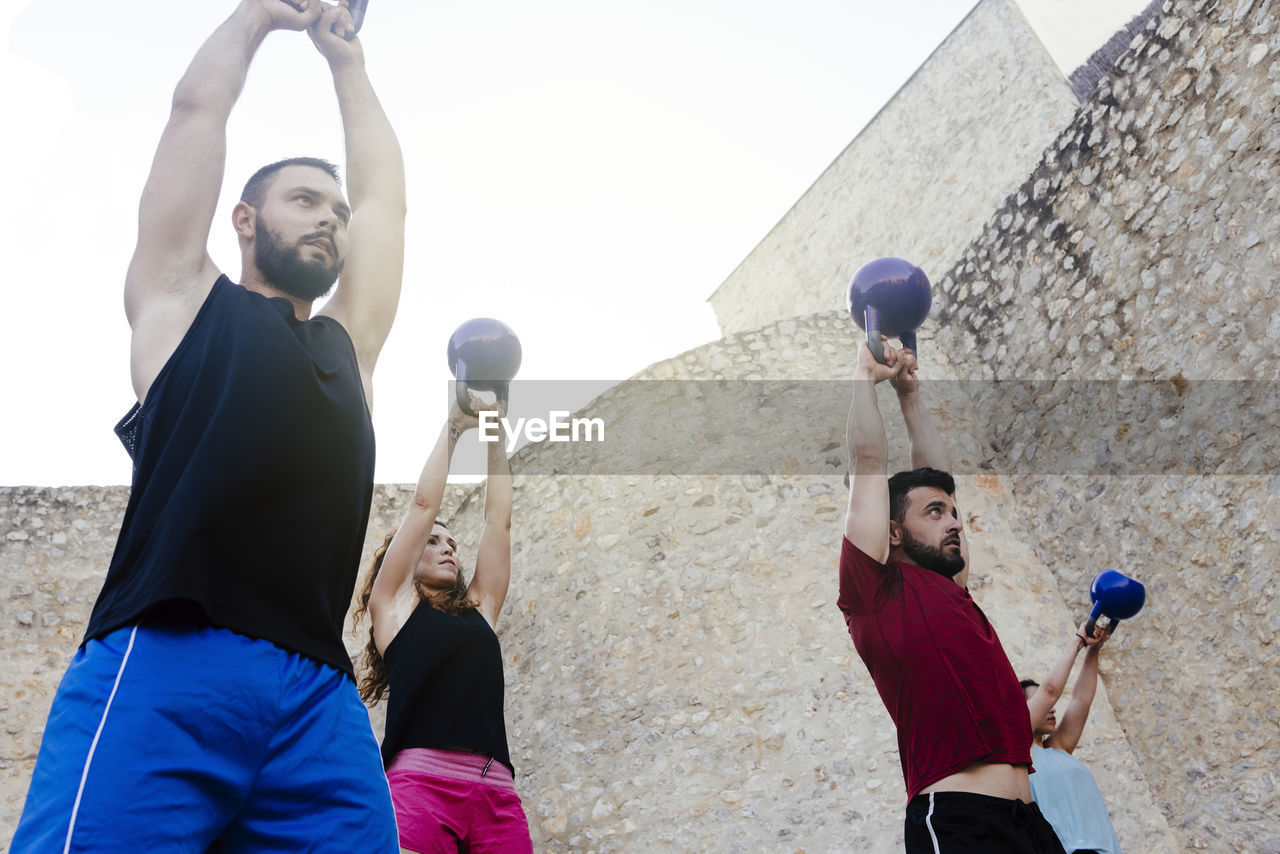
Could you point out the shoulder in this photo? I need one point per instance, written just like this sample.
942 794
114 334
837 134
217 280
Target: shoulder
402 617
855 558
864 581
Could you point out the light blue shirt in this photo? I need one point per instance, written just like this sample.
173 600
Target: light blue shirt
1070 799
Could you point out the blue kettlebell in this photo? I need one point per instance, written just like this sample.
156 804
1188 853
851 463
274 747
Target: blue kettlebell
889 296
1115 596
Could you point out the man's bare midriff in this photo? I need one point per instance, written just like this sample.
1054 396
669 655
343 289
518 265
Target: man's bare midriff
997 779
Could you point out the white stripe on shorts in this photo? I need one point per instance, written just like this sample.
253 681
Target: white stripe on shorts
75 809
928 822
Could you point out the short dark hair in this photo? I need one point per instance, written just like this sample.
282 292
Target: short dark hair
1029 683
905 481
255 189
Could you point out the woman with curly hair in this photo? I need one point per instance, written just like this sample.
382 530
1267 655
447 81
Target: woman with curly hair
432 647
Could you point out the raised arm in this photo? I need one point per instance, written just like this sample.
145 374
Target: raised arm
171 272
394 596
488 587
866 523
1067 735
1055 682
369 291
1048 692
927 445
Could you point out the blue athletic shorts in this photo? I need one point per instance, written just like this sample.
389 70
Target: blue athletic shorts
179 738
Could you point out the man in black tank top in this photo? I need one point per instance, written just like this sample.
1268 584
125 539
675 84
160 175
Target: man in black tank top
211 705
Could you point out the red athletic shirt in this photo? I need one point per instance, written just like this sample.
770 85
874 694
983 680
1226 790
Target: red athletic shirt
938 666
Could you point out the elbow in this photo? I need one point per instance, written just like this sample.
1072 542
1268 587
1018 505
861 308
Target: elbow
192 99
424 505
378 187
185 99
866 458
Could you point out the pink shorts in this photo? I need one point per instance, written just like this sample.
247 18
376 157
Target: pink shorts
446 801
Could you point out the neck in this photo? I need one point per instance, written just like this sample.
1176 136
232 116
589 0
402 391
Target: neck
439 598
251 279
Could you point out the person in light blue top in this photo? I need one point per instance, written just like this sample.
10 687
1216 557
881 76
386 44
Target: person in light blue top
1062 785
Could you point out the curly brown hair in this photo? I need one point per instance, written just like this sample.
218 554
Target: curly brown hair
372 671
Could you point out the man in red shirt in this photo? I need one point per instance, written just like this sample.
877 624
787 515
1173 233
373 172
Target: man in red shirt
964 737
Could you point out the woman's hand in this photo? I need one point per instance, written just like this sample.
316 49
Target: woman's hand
460 421
1096 640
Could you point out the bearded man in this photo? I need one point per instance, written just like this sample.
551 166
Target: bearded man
964 737
211 706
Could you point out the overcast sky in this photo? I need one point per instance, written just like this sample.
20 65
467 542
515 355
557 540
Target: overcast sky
589 172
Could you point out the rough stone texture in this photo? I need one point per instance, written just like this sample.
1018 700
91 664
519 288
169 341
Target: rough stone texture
1146 241
1099 64
678 676
55 545
1145 245
920 179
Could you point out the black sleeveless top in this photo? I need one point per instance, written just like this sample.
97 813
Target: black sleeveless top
445 674
252 477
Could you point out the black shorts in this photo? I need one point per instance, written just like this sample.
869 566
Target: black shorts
965 823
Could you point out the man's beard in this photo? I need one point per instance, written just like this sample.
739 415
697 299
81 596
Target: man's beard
931 558
284 267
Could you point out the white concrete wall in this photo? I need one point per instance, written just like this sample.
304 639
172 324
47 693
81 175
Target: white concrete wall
922 177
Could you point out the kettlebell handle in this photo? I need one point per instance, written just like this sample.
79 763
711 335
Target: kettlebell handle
1094 616
463 393
872 317
357 8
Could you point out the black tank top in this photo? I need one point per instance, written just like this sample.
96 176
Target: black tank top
252 477
445 674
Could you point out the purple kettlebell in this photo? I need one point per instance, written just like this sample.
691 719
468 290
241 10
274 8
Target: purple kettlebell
889 296
484 354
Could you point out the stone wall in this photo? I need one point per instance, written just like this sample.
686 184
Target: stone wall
919 180
1145 245
678 676
1099 64
55 545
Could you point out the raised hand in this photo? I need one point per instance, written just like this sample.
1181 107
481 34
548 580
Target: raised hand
1097 639
461 421
869 367
906 382
334 34
286 14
